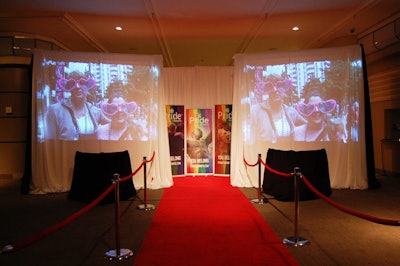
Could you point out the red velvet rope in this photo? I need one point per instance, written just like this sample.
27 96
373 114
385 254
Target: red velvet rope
275 171
123 179
340 207
346 210
152 157
22 244
251 165
29 241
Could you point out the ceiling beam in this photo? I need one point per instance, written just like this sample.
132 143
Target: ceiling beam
162 41
78 28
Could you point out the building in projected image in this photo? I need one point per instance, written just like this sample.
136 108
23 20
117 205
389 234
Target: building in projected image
299 73
106 73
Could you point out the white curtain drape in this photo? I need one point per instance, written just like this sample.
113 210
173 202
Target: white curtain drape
198 87
347 161
193 87
53 158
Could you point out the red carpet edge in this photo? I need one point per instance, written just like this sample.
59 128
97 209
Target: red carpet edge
203 220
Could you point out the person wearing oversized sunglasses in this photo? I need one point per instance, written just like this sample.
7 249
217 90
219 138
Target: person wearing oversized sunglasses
274 120
120 112
316 110
74 118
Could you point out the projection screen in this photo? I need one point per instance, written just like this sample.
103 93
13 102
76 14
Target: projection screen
92 102
301 100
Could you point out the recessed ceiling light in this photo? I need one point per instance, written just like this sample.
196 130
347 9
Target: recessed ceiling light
118 28
295 28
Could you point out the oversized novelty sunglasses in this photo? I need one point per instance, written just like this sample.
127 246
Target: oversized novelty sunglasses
70 84
306 109
268 87
111 109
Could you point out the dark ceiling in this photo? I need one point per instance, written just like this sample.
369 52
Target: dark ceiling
197 33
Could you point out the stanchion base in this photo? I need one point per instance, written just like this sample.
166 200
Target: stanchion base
259 201
296 242
146 207
123 254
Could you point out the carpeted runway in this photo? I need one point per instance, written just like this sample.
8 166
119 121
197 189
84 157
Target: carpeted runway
203 220
336 237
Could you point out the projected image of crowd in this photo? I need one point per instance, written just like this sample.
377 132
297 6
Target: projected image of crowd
320 110
300 102
78 110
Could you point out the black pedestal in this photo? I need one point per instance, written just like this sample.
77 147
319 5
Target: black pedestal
313 165
94 173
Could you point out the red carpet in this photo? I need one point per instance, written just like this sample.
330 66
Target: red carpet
205 221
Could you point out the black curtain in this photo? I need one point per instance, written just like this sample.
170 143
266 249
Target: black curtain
26 178
373 183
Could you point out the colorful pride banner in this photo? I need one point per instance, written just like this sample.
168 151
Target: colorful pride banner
223 125
199 141
176 137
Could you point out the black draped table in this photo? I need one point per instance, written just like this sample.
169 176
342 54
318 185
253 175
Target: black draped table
94 173
313 165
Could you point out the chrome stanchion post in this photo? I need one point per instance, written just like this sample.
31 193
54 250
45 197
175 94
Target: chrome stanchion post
259 200
118 253
296 240
145 206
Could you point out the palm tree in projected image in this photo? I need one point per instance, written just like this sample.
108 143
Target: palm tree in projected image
337 83
293 96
